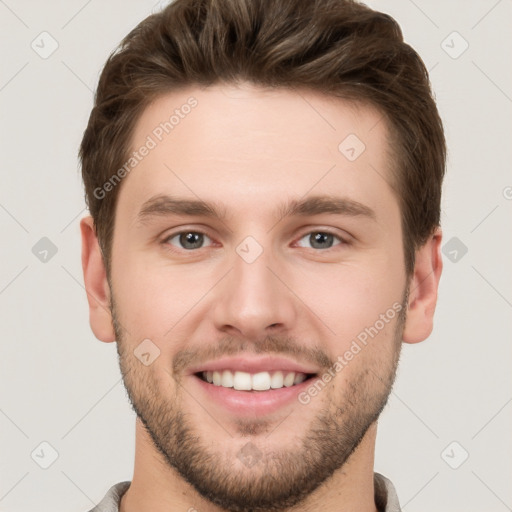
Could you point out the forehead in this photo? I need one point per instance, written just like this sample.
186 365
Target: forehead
253 145
244 116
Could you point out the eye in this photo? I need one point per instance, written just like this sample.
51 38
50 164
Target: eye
187 240
320 240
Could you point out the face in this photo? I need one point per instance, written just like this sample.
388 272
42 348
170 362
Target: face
258 245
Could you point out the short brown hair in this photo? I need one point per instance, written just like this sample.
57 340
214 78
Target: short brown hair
337 47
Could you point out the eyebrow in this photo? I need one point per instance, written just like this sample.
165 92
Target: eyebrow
165 205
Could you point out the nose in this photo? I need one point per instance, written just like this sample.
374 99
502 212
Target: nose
253 300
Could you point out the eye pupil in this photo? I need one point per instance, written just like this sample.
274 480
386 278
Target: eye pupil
321 239
194 239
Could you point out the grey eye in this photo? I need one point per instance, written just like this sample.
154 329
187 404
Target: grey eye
188 240
320 240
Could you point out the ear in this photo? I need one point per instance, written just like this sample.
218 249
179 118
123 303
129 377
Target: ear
96 284
423 290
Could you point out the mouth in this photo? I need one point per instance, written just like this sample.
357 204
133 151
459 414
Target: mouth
250 395
249 386
260 382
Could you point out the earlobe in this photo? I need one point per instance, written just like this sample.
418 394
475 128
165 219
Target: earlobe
96 284
423 290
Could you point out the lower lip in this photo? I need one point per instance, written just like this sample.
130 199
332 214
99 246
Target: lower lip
250 403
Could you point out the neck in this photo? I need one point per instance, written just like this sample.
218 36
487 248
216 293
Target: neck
157 487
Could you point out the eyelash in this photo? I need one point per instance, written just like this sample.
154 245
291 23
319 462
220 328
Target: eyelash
171 248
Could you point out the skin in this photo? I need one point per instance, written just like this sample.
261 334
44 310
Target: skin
249 150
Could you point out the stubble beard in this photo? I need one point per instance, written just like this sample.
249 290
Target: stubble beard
278 479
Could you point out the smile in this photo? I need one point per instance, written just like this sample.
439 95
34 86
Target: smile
261 381
249 395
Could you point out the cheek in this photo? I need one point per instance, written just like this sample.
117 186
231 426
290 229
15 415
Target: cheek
140 305
152 298
365 362
348 298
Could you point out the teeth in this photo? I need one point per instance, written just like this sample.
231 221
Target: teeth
227 379
299 377
277 380
261 381
242 381
288 380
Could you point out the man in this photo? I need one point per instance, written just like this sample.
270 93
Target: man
264 182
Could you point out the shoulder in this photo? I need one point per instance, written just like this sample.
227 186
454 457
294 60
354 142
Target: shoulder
110 502
386 498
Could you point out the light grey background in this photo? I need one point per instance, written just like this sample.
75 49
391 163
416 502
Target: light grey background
61 386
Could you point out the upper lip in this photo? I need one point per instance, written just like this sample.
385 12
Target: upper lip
254 365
